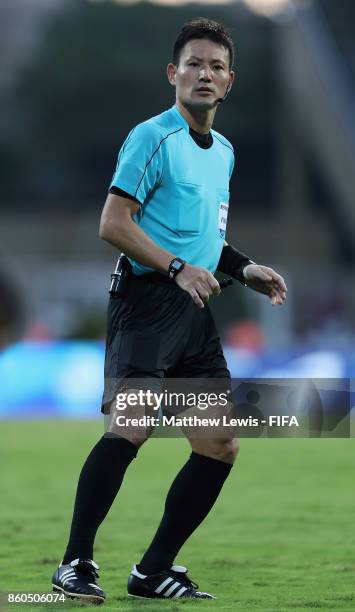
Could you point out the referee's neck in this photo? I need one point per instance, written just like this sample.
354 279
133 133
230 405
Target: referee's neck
199 120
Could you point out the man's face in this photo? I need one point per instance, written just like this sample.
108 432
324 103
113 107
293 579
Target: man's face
203 75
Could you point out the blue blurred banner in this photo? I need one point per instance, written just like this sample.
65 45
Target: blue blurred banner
51 379
64 379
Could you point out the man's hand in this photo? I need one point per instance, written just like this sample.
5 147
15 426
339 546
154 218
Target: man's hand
266 280
199 283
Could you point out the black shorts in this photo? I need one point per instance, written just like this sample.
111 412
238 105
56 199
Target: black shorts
155 331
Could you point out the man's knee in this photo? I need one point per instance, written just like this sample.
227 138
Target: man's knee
131 417
225 449
222 449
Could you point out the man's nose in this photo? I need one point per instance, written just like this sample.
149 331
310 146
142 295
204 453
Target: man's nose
205 74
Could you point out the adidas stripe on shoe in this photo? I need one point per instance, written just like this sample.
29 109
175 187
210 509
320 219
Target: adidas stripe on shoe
77 580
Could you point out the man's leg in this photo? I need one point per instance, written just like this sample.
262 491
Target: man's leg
99 482
198 484
189 500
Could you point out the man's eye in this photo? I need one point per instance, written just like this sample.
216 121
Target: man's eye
218 67
193 64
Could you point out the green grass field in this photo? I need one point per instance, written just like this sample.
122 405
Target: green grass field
281 536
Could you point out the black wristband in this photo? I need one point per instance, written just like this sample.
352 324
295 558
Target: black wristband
233 262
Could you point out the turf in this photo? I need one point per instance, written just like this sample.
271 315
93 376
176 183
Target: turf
281 537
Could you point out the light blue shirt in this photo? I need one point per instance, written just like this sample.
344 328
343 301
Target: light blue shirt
183 189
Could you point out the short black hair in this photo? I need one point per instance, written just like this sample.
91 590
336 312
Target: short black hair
201 27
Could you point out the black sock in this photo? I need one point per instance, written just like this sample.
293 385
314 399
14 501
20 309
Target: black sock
190 498
99 483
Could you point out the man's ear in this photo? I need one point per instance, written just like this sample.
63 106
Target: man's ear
231 80
171 72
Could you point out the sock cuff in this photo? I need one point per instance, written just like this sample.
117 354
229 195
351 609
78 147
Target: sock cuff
127 449
209 463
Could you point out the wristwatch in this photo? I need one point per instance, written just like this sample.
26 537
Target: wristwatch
175 266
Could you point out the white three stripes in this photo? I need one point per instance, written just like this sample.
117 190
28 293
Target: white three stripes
180 592
67 572
163 585
67 576
171 589
68 579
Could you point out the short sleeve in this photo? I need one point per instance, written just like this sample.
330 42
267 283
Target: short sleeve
140 162
231 166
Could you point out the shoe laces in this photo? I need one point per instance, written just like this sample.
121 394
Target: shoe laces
185 580
87 569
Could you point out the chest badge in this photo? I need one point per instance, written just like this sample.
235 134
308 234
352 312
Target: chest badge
222 218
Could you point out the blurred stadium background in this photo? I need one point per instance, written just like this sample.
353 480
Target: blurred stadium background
76 76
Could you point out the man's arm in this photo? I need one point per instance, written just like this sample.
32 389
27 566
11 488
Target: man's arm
118 228
260 278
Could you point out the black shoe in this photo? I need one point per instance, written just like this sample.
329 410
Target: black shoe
77 580
170 584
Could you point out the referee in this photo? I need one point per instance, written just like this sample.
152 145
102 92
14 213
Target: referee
167 211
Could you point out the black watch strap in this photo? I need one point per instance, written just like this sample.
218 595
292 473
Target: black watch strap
175 266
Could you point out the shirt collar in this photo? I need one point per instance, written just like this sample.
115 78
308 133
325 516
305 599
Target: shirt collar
180 118
186 126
